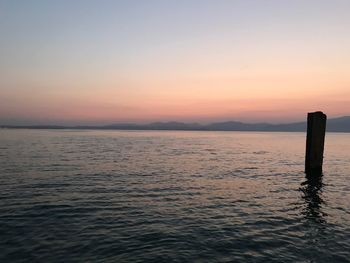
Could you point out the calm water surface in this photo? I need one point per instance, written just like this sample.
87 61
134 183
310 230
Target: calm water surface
145 196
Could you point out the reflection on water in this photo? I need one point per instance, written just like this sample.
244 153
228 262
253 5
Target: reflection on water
312 195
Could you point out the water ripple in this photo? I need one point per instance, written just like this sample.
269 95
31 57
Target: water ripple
108 196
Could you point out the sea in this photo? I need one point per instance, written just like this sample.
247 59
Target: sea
171 196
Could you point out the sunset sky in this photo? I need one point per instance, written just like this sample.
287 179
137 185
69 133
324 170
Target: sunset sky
100 62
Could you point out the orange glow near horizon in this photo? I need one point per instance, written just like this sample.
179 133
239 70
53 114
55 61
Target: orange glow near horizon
255 98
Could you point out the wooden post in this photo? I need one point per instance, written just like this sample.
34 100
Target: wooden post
316 129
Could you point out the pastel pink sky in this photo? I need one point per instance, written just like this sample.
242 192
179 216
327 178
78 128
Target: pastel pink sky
108 62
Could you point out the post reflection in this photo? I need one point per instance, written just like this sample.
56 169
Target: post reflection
312 195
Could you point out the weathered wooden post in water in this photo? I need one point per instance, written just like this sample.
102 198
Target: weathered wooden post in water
316 129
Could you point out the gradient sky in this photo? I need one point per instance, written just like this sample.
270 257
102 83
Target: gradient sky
95 62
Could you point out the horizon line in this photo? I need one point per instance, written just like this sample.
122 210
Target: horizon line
160 122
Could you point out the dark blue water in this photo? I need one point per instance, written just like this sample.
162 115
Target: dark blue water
124 196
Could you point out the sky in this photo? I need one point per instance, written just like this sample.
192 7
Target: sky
101 62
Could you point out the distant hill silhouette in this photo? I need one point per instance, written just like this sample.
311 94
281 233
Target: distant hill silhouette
341 124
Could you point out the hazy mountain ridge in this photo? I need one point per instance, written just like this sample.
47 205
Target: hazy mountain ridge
341 124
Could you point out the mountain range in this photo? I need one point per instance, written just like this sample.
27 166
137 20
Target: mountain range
341 124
